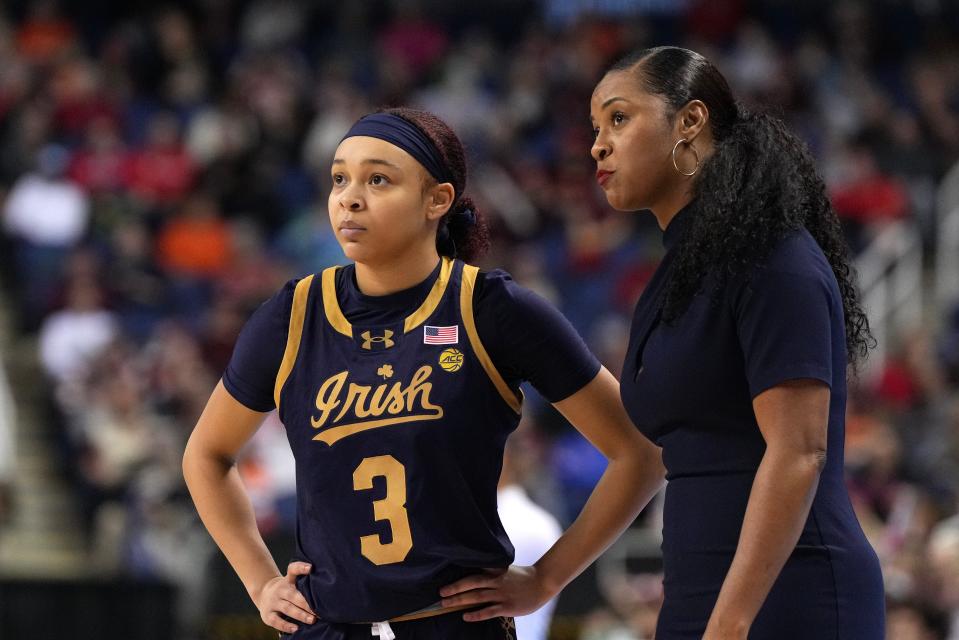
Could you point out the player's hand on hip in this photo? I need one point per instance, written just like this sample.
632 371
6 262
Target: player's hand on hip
514 591
280 596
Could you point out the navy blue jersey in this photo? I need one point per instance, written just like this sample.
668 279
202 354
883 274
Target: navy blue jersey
398 433
527 338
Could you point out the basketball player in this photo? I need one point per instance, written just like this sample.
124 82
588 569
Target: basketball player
397 378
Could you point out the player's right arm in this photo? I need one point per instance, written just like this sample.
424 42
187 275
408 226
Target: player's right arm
209 467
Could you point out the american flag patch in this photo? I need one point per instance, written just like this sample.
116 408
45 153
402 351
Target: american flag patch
441 335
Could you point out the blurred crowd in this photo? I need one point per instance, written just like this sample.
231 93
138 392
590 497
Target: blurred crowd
165 168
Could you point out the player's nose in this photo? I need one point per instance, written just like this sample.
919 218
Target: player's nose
351 199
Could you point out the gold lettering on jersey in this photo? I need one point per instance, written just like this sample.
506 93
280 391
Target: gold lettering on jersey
400 403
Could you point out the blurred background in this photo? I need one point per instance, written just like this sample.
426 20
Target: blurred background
164 168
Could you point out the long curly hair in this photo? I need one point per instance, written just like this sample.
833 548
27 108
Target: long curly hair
759 185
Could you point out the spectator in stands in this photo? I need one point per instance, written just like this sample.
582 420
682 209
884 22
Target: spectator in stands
913 621
194 250
865 197
70 339
45 33
530 528
162 172
46 216
100 165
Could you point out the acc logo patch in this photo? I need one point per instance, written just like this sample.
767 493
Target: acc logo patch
451 360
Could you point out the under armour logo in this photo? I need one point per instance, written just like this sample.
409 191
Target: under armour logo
369 339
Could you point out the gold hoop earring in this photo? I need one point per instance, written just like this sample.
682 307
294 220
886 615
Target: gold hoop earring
695 153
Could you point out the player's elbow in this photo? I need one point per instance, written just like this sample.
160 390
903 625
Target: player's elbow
639 454
188 461
196 457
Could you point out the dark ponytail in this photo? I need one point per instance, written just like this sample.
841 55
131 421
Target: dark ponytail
462 232
759 185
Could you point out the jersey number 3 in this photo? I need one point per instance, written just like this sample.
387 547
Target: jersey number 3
392 508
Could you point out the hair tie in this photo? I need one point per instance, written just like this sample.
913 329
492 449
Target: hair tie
444 241
466 216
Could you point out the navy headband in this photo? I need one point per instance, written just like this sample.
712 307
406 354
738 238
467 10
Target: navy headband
405 135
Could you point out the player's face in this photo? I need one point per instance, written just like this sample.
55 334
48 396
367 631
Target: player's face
378 205
633 142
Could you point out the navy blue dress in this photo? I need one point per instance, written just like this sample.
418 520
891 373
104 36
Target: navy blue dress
689 386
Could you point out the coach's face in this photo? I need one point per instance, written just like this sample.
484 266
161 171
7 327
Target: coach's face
383 203
632 145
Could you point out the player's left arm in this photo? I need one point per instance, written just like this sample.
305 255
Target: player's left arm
633 476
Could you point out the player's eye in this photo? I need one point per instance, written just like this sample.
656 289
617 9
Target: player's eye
378 179
339 179
619 117
595 132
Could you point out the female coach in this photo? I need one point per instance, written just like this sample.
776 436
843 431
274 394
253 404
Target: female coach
737 358
397 380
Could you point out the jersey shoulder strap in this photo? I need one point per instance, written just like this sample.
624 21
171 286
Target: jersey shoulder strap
301 295
467 286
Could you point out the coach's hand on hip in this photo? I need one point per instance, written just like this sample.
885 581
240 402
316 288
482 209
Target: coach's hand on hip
515 591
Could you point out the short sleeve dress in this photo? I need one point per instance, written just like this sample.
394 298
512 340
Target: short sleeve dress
689 385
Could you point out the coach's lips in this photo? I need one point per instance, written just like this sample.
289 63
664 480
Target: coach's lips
602 176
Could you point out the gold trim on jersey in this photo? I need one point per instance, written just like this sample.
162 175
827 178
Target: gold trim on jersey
429 612
333 313
429 305
338 321
297 314
466 311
